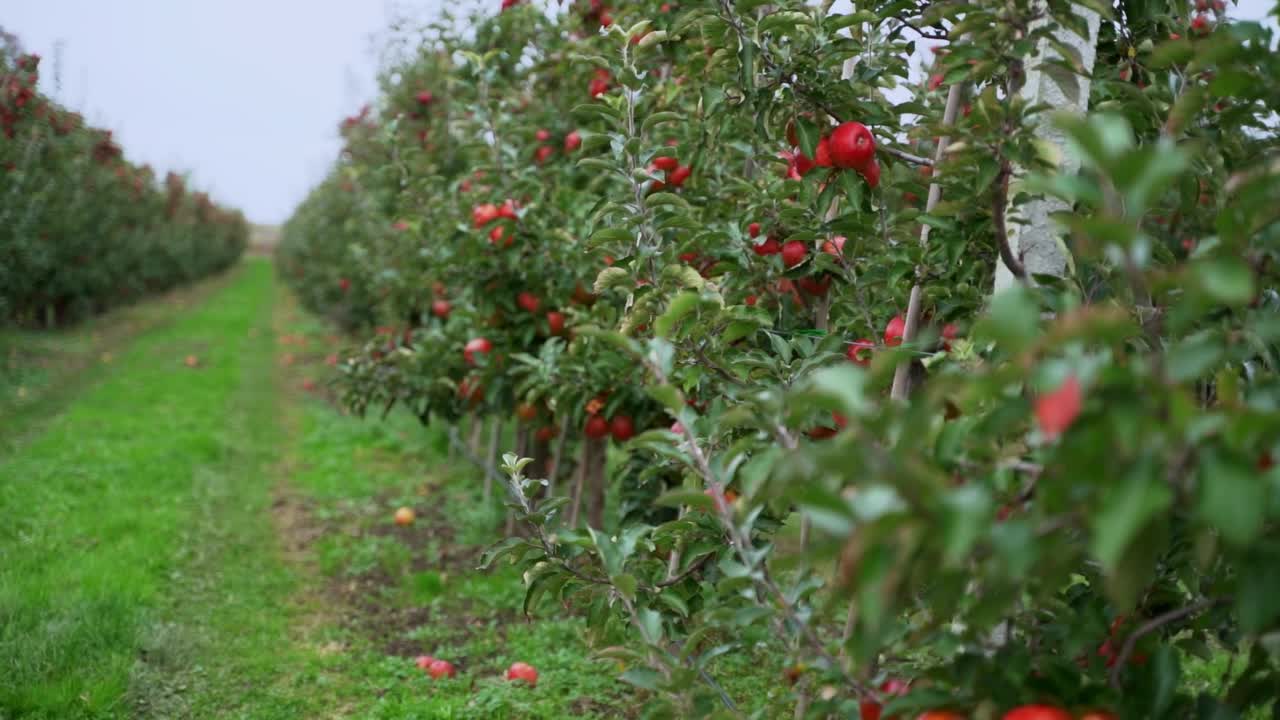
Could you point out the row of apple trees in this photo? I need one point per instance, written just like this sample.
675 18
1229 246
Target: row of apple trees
81 228
690 230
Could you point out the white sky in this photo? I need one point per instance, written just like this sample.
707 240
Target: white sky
246 95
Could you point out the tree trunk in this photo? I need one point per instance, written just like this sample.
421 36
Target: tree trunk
596 480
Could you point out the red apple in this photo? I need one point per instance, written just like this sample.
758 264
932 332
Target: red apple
555 322
834 246
666 163
794 252
423 662
753 230
543 153
542 135
679 175
770 246
425 97
596 427
484 214
528 301
822 153
859 351
871 173
441 668
404 516
572 141
894 330
441 308
474 346
949 332
621 428
508 210
526 411
852 146
1057 410
523 671
344 284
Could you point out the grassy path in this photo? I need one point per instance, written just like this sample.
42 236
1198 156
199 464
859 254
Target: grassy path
180 542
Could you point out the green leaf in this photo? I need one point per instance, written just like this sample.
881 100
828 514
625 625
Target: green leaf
1128 507
1233 498
1013 320
660 117
681 305
626 585
1194 357
643 678
1227 280
678 498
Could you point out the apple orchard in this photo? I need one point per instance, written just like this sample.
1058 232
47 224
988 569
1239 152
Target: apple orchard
788 371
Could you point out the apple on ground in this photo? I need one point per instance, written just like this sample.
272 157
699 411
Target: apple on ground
404 516
523 671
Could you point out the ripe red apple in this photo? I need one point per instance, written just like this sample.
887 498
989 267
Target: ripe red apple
344 284
546 433
596 427
770 246
543 153
815 285
528 301
404 516
859 351
794 252
1098 715
425 97
423 662
572 141
1200 24
666 163
508 210
1037 712
935 81
940 715
473 395
474 346
484 214
542 135
949 332
852 146
677 177
441 668
751 300
1057 410
834 246
441 308
894 330
496 236
526 411
523 671
621 428
753 230
871 173
555 322
822 153
331 360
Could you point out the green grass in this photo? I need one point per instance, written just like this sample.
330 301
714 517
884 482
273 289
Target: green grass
210 542
136 555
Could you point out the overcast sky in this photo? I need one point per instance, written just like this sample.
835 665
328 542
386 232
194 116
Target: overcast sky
244 94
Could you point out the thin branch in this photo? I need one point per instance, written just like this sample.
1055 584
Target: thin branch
999 206
1151 626
697 565
936 35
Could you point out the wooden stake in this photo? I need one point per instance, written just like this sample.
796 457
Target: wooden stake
902 375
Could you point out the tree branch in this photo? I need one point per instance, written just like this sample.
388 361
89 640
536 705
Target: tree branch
1151 626
999 206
